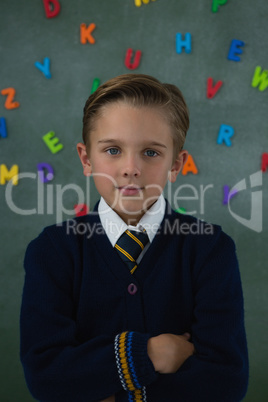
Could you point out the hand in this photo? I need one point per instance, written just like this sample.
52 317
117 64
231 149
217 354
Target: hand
168 352
110 399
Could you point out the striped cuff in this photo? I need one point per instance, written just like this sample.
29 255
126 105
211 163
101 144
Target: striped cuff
137 396
135 369
125 363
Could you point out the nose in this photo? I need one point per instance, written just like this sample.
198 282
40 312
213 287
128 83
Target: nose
131 167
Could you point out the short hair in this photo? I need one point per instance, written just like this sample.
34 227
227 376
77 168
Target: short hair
140 90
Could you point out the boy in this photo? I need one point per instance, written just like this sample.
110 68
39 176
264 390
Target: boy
145 308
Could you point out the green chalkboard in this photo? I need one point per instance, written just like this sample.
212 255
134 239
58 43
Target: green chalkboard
55 105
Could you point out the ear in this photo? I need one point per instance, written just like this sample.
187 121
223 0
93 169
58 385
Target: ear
82 153
177 166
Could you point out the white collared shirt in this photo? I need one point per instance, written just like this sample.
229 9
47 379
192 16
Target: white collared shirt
114 226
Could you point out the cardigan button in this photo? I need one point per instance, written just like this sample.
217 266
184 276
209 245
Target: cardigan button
132 289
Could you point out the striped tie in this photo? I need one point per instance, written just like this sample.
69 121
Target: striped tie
130 245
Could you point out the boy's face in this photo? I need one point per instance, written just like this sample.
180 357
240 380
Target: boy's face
131 158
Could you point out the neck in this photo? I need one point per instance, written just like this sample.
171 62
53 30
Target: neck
135 218
131 219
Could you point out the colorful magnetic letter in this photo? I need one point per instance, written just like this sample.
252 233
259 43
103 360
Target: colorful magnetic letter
52 142
225 133
227 194
3 128
136 61
181 210
216 4
189 166
183 43
212 90
264 162
95 85
10 104
81 209
41 167
52 8
139 2
85 33
45 67
235 49
260 79
11 174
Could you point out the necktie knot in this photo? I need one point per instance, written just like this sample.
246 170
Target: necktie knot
130 245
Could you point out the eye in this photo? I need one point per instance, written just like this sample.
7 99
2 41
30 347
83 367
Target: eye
113 151
151 153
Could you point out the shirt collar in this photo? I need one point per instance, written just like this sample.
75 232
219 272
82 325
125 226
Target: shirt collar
114 226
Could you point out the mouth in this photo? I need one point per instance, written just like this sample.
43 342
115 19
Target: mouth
129 190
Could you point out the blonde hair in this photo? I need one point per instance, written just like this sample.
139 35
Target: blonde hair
140 90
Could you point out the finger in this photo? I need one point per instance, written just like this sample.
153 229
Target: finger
187 335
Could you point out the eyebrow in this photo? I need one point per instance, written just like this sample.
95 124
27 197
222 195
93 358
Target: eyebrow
112 141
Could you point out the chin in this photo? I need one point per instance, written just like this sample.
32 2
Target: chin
131 207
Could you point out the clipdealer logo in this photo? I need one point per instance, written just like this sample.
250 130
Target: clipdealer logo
50 198
256 218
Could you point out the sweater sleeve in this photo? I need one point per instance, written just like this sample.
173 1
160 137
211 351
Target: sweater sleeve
218 371
58 366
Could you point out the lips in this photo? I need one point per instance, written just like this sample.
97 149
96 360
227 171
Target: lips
129 190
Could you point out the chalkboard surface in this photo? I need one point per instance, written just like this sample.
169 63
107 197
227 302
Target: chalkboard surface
28 36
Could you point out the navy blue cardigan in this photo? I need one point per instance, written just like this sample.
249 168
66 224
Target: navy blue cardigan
84 329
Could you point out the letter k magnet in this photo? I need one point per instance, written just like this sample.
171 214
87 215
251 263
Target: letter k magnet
255 220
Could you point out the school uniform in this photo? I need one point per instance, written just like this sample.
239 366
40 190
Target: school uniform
86 320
